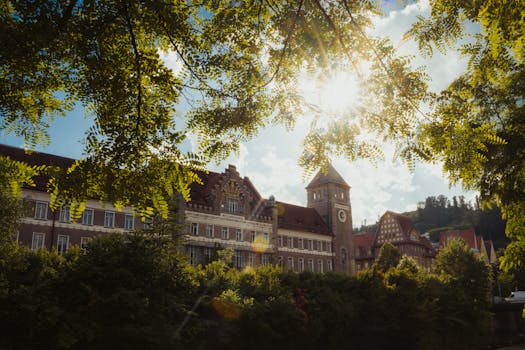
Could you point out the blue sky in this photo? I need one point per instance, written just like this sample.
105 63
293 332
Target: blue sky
270 159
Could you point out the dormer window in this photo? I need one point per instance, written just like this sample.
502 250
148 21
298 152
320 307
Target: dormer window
232 205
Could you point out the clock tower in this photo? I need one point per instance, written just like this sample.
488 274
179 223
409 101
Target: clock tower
329 194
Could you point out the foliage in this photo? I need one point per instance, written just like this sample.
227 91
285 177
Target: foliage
136 291
477 127
239 67
387 258
12 210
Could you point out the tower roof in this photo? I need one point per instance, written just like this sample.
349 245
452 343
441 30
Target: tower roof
331 176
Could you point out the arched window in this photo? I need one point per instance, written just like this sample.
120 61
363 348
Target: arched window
343 256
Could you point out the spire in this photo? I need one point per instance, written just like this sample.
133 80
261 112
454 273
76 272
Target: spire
331 176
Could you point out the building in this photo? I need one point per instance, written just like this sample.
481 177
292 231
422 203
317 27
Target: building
226 211
398 230
484 248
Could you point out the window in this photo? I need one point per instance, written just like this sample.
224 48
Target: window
280 262
310 265
64 215
289 242
194 256
87 217
209 231
289 265
237 260
280 241
62 244
252 236
37 241
128 222
208 253
251 259
194 229
300 244
319 265
83 242
41 210
300 265
329 265
232 205
318 244
265 259
329 247
238 234
310 244
266 237
109 219
224 233
148 223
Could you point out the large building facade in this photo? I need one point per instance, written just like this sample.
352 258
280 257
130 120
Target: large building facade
226 211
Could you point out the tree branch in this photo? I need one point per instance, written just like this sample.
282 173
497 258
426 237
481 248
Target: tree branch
137 67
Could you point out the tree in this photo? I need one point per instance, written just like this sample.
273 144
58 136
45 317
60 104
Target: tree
467 293
477 126
388 257
240 64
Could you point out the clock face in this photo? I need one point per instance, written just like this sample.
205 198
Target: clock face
341 215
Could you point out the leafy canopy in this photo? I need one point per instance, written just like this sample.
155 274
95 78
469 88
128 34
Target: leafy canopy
240 62
478 124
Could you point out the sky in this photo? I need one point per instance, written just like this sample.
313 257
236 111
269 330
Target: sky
270 159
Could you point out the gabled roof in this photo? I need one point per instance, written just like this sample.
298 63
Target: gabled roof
469 236
331 176
404 221
294 217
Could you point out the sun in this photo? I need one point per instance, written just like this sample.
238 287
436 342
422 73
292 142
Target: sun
336 92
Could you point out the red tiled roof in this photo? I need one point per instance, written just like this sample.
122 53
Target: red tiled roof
294 217
469 236
364 239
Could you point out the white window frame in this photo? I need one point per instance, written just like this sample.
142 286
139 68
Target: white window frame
238 235
193 255
209 230
109 214
208 253
237 260
225 233
265 259
194 229
280 241
300 243
289 263
300 265
289 242
320 266
311 265
65 215
62 246
40 210
42 243
329 247
251 259
129 218
329 266
319 246
252 236
266 237
310 244
85 216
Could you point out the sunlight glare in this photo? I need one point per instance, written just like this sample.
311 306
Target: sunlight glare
335 94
